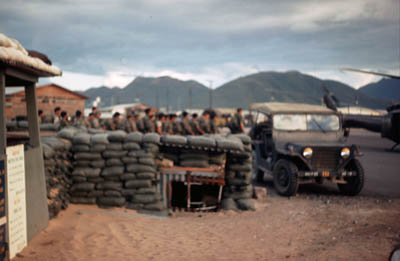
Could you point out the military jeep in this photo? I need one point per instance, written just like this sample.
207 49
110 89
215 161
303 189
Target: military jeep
301 143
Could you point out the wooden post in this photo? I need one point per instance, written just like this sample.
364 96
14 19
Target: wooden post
3 138
32 113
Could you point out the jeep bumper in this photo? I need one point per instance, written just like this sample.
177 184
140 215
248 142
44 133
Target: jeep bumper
326 174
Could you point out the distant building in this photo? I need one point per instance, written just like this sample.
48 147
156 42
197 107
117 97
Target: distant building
49 97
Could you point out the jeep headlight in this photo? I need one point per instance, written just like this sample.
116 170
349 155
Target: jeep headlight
307 152
345 153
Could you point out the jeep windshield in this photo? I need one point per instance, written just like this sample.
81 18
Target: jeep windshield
306 122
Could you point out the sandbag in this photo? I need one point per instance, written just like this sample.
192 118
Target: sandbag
48 152
99 139
246 204
140 153
114 146
129 160
194 156
194 163
134 137
135 206
151 190
240 167
112 193
98 164
145 175
152 148
147 161
82 163
174 139
127 176
245 139
145 198
95 179
112 171
81 138
201 141
87 156
112 178
80 148
229 204
109 185
67 133
230 144
78 179
131 146
138 184
98 148
86 172
158 206
114 162
114 154
78 194
151 138
95 193
140 168
54 143
111 201
81 200
86 186
128 192
238 181
116 136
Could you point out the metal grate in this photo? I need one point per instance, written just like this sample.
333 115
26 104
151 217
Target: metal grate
325 158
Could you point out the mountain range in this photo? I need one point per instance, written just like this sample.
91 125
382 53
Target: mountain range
388 89
291 86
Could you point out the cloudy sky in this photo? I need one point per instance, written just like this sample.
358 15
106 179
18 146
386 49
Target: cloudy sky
102 42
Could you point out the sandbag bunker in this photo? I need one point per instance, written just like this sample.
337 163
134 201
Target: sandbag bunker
146 172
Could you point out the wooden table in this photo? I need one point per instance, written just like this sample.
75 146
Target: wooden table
191 176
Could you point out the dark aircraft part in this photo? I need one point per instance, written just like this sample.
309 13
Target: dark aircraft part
330 102
371 123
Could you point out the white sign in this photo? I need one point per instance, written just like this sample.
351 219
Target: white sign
17 230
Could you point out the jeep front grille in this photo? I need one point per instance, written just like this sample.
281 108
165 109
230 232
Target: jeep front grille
325 158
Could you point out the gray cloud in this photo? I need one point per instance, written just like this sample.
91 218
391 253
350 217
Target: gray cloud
96 37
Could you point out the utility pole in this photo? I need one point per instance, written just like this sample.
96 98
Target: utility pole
190 97
157 100
167 99
210 100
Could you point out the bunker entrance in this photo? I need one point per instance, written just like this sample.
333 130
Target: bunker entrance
194 196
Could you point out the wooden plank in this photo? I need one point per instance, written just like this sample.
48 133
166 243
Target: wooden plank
3 139
192 169
33 122
21 75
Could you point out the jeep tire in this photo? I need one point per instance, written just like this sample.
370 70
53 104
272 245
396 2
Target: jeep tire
286 178
354 183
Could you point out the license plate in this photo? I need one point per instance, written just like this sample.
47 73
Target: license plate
325 173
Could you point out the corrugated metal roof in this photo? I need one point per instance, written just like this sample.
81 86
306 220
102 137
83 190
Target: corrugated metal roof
275 107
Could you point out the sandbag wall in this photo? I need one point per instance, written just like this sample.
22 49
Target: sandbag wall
118 169
232 152
58 168
238 190
115 169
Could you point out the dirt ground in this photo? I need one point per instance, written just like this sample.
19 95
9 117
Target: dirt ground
306 227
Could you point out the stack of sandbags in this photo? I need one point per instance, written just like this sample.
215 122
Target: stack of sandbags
58 167
141 179
238 190
194 159
88 163
112 172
